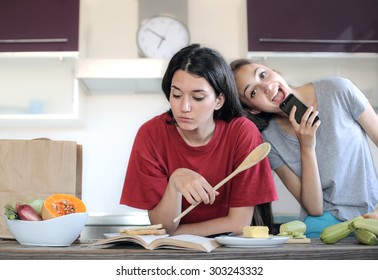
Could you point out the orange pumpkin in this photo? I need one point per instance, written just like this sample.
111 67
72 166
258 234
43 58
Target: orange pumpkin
61 204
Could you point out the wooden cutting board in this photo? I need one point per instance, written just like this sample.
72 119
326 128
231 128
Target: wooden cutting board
298 241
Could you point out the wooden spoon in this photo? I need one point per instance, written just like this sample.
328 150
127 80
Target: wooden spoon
258 154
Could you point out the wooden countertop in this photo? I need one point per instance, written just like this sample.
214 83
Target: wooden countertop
347 249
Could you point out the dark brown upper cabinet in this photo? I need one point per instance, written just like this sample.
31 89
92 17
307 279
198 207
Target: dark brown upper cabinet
39 25
313 26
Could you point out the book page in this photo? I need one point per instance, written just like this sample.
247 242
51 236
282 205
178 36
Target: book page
187 241
143 240
148 239
151 242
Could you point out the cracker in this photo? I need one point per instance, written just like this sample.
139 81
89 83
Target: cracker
156 229
144 232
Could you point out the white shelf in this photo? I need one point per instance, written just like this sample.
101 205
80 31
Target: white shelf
114 76
267 55
71 119
45 121
59 55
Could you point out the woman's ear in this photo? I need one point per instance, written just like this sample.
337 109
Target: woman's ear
220 101
255 111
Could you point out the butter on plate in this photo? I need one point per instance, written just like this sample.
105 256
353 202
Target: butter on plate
256 231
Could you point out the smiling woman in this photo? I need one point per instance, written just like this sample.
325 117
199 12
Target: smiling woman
171 164
325 164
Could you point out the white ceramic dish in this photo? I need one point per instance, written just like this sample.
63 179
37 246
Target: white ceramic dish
60 231
111 235
235 241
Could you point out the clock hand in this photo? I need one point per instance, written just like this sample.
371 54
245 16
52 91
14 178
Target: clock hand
161 41
161 37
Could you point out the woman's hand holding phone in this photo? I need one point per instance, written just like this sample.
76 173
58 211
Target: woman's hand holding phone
306 129
305 122
291 101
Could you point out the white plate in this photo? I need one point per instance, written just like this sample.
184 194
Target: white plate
110 235
234 241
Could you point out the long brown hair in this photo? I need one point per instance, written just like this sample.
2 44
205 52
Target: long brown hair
262 214
262 119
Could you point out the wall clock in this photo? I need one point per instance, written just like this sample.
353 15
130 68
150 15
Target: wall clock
162 28
161 37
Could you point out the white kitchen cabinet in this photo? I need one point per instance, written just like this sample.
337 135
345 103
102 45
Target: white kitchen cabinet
40 90
39 46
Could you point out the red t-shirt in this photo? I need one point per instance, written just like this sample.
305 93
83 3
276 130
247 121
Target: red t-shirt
159 150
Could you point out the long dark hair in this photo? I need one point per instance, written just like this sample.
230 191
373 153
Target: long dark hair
262 119
263 213
263 216
209 64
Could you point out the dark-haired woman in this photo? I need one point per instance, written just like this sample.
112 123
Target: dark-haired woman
328 166
178 156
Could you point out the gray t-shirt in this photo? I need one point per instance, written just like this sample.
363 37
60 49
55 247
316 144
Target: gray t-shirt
348 176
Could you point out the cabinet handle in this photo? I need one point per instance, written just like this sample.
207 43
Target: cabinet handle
316 41
27 41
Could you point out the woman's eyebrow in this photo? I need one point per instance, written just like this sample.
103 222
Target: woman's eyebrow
245 89
254 74
193 91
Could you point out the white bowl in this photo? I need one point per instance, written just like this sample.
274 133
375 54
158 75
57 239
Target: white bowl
60 231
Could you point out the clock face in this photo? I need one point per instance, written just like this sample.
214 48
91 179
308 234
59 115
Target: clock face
162 37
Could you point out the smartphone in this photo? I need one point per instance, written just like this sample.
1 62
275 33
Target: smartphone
288 104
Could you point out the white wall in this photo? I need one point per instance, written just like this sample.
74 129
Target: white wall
109 27
110 121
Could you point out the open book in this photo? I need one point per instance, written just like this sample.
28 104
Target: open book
152 242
